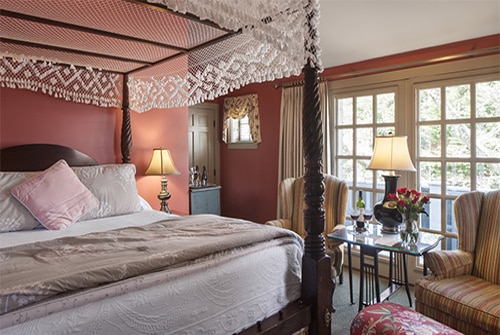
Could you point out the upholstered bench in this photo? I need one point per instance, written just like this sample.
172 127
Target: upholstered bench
388 318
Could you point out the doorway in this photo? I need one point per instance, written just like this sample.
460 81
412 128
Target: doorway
203 133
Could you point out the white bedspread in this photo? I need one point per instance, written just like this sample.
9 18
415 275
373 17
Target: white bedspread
220 296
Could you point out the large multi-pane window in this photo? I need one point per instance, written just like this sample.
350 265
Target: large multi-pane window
458 136
361 116
451 115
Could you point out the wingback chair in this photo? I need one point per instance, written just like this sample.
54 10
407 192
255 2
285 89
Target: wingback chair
463 290
291 213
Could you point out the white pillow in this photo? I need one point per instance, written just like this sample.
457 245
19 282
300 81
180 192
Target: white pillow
13 215
144 204
114 186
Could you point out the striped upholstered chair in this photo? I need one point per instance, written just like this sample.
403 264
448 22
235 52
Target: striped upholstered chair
463 290
291 213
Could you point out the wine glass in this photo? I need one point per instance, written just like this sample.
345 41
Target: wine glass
354 213
368 214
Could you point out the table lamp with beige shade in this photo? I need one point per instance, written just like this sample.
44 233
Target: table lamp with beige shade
390 153
162 164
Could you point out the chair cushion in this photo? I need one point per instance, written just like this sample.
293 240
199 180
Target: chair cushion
464 297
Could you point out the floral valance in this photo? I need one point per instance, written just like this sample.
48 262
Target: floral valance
239 107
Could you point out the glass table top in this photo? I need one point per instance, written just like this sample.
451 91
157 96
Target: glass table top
374 237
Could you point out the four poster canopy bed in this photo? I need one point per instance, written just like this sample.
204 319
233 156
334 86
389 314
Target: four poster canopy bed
81 251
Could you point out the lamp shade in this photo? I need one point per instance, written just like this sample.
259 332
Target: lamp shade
391 153
161 163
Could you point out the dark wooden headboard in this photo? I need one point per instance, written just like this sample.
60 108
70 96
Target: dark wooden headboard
38 157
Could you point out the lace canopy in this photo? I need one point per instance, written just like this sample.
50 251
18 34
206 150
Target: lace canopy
154 53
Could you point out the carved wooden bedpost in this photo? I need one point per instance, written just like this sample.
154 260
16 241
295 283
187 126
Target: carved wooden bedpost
126 134
316 265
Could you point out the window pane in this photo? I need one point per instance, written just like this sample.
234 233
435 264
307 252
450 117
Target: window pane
451 243
234 130
430 141
364 110
345 111
457 177
345 141
488 99
488 140
380 182
368 198
433 221
364 145
364 176
429 104
346 170
430 177
386 108
379 196
458 140
384 131
244 130
451 226
488 176
457 102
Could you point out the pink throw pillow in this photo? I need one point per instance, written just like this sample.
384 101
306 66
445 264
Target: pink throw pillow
55 197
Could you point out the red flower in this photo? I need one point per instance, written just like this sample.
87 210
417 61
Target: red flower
410 203
392 196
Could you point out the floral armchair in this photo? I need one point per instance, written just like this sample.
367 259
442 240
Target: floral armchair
463 290
291 208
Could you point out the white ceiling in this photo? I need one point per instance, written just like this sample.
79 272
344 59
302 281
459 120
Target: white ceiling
356 30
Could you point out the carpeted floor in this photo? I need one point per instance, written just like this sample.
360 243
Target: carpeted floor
345 312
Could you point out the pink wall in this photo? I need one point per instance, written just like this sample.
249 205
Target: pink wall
30 117
34 117
252 174
166 128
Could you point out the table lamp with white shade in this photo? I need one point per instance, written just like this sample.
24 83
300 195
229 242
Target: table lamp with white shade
390 153
162 164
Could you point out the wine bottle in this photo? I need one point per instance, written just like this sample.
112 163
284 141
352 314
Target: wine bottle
360 205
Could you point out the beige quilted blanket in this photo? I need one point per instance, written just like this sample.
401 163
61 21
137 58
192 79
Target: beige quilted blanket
38 271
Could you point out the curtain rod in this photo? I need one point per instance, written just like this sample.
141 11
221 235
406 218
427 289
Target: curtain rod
296 83
423 62
394 67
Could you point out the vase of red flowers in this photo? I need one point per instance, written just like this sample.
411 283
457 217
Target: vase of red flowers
410 203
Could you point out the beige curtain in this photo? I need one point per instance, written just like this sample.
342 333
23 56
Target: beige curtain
239 107
291 157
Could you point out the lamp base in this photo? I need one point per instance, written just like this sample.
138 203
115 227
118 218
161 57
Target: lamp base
164 203
388 216
164 196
